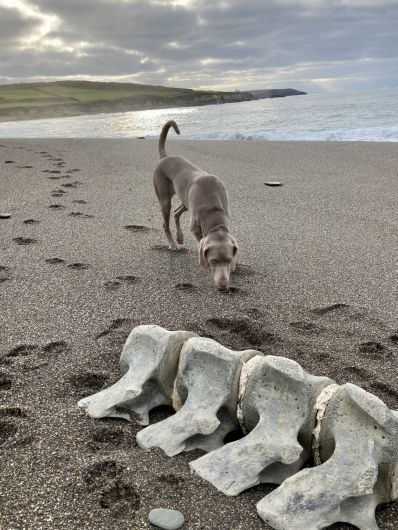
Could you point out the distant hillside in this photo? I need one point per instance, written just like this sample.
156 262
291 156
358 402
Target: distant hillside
71 98
276 93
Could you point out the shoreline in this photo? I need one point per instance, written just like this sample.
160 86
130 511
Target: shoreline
143 108
78 277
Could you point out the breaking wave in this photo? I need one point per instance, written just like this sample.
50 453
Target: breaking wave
354 135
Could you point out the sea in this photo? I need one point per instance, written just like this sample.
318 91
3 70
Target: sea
366 116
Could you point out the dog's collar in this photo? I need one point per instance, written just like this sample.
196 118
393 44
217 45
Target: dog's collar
218 227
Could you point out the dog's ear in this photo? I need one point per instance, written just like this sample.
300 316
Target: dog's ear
234 253
202 253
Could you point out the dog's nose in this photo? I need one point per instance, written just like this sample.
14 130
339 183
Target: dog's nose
223 282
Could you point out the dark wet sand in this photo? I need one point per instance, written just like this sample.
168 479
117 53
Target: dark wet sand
83 260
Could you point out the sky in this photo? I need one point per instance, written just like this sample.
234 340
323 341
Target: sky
312 45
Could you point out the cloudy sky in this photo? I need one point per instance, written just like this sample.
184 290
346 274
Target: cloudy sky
315 45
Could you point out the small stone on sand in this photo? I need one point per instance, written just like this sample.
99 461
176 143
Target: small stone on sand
5 215
273 183
166 519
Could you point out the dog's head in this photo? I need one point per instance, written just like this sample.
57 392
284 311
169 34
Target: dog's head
218 252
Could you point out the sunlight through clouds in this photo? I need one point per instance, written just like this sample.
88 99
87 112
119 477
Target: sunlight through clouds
223 44
48 22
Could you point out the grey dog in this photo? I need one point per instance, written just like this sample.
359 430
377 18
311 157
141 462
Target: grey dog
205 197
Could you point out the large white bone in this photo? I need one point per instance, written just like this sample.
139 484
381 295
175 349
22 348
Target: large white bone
149 362
277 405
358 445
213 388
207 385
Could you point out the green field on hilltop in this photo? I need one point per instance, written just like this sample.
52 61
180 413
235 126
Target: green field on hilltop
83 92
72 98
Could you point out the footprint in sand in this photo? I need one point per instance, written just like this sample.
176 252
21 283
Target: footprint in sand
9 162
23 350
12 412
360 373
55 261
24 240
88 382
330 308
112 285
99 474
232 289
80 201
394 337
243 270
374 349
56 206
184 286
119 324
107 437
254 311
128 279
81 215
7 431
57 346
4 274
79 266
165 248
202 331
55 171
54 178
5 381
69 185
171 479
137 228
56 195
120 497
73 170
31 222
385 388
10 427
305 327
251 331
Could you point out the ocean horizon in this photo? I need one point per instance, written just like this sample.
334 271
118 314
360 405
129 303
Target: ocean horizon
354 116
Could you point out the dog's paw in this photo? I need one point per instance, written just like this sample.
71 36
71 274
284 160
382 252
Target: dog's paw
180 239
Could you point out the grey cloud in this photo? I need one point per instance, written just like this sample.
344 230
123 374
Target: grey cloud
260 40
14 27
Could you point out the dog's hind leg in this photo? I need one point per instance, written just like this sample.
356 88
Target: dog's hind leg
177 214
165 207
165 190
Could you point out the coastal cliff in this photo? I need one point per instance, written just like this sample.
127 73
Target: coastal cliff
276 93
73 98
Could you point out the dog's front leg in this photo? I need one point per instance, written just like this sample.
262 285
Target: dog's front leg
196 229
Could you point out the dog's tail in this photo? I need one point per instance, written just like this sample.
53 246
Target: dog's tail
163 136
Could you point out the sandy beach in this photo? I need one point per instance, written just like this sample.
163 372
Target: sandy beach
83 260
